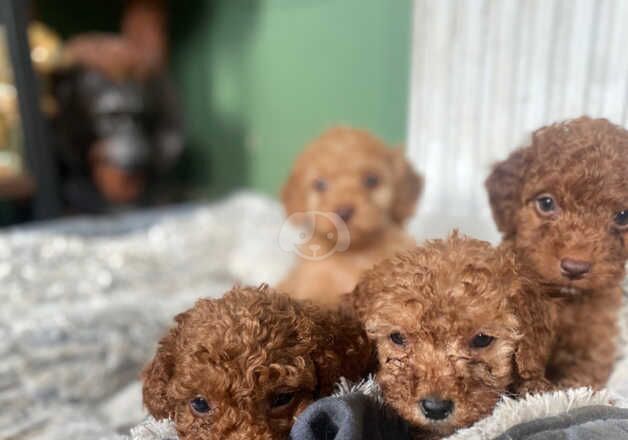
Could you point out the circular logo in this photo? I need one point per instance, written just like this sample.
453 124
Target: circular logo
302 242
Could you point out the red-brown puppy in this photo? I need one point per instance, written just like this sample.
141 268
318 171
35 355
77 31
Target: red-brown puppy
455 329
245 365
562 204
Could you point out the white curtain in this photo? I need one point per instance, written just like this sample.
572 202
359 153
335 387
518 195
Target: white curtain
485 73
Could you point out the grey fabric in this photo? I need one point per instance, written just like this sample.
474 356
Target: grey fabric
588 423
353 416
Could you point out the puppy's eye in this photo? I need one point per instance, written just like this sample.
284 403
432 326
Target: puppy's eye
371 180
281 399
283 403
621 218
397 339
546 205
481 340
200 406
320 185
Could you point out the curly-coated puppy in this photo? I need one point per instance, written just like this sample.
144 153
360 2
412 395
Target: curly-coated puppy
562 203
353 193
455 329
245 365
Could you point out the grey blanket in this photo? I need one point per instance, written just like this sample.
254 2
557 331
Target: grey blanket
358 417
357 413
588 423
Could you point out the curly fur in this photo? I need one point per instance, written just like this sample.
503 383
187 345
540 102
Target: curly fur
343 157
583 165
438 297
238 352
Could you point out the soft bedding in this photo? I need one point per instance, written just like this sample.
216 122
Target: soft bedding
84 302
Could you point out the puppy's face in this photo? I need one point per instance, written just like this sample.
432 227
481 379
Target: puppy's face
445 332
212 405
570 205
572 229
239 367
359 190
355 177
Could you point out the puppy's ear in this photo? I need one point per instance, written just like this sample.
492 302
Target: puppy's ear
356 302
537 319
343 350
408 187
293 194
157 374
504 187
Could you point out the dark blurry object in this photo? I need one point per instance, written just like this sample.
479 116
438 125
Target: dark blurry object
114 137
117 119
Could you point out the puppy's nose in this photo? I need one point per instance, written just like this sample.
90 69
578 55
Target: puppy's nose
345 212
574 269
436 409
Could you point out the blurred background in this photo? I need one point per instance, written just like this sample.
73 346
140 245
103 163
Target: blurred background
136 103
221 94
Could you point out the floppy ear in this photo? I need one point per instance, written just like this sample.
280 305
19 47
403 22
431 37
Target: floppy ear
532 353
408 187
504 189
343 349
157 374
293 194
357 301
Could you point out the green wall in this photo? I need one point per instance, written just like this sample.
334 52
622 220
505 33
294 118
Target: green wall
259 78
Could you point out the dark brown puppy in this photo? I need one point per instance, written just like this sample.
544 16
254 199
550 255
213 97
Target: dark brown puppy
562 204
455 329
245 365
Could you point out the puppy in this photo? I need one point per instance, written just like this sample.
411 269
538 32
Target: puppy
562 204
455 329
245 365
353 193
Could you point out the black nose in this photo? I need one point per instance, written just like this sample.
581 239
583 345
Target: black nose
345 212
574 269
436 409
